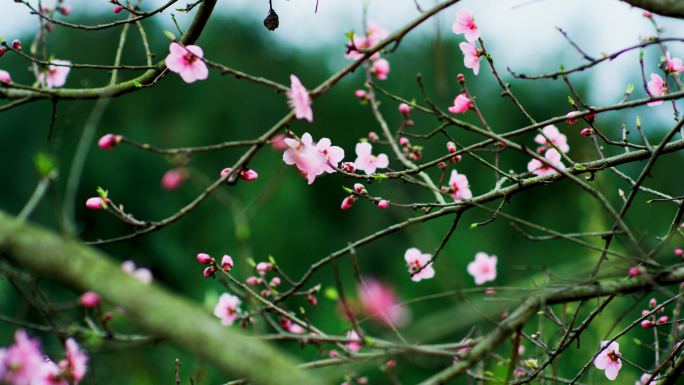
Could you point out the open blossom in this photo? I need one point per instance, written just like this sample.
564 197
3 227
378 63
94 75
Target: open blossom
56 75
656 87
312 159
368 162
359 42
644 380
556 137
375 33
380 69
459 185
333 154
21 361
186 62
674 64
75 365
227 309
471 56
539 168
5 77
609 359
461 104
298 99
416 260
483 268
379 300
465 23
142 274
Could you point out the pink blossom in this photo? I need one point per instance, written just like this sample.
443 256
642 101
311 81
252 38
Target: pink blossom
204 258
674 64
264 266
471 56
353 346
556 137
361 94
380 69
298 99
466 24
378 299
76 361
459 186
296 329
416 260
359 42
143 275
187 62
656 87
375 33
109 141
359 188
278 142
383 204
22 360
56 75
678 253
5 77
89 299
347 203
644 380
609 359
461 104
570 117
307 156
647 324
95 203
332 154
174 179
48 373
248 175
366 161
253 281
16 44
227 309
483 269
538 168
227 262
587 132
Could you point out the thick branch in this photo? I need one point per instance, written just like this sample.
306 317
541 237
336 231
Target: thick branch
672 8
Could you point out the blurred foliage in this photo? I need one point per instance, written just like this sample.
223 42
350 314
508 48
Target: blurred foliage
300 224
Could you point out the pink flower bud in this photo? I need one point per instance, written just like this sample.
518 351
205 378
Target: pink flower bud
648 14
225 171
209 272
644 312
373 137
311 299
662 319
109 141
16 44
227 262
409 123
118 9
285 323
404 141
278 142
647 324
441 165
505 315
359 188
570 117
634 271
2 51
174 179
50 27
348 167
591 116
89 299
95 203
253 281
248 175
334 354
275 282
361 94
457 158
652 303
383 204
5 76
490 291
404 109
362 380
265 293
444 189
587 132
264 266
451 147
64 9
678 253
204 258
347 203
521 350
460 77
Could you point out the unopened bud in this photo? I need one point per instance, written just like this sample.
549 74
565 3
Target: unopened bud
359 188
373 137
89 299
404 141
587 132
404 109
348 167
383 204
347 203
227 262
285 323
265 293
253 281
457 158
209 272
108 141
451 147
361 94
441 165
312 299
634 271
95 203
275 282
678 253
16 44
264 266
504 315
118 9
662 319
644 312
64 9
490 291
460 77
409 123
204 258
248 175
652 303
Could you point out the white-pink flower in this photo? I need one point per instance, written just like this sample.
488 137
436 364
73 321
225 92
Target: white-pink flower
416 260
142 274
656 87
76 362
48 373
368 162
227 309
459 186
56 75
539 168
298 99
471 56
465 23
483 268
609 359
21 361
333 154
461 104
644 380
674 64
359 42
380 301
353 346
375 33
312 159
380 69
556 137
186 62
5 77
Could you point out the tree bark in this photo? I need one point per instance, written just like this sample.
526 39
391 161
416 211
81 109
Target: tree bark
671 8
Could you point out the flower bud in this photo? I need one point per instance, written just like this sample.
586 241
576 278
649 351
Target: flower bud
591 117
361 94
265 293
285 323
248 175
96 203
89 299
648 14
278 142
404 141
50 27
383 204
118 9
227 262
264 266
652 303
570 117
634 271
333 354
174 179
359 188
209 272
441 165
225 171
460 77
404 109
16 44
678 253
5 77
253 281
451 147
445 189
662 319
109 141
373 137
490 291
521 350
362 380
409 123
64 9
204 258
275 282
505 315
644 312
348 167
2 51
587 132
347 203
312 299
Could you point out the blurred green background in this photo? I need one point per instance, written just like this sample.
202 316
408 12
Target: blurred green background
300 224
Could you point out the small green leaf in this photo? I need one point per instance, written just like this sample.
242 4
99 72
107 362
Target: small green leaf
251 262
170 35
637 341
180 9
136 84
380 177
347 189
271 259
647 202
474 225
562 68
102 192
301 310
349 35
630 89
638 121
533 180
368 341
571 101
580 167
45 163
331 294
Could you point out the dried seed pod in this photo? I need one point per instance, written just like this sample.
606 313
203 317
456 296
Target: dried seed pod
271 21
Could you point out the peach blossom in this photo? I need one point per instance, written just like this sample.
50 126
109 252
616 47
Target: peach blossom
483 268
56 75
416 260
380 301
609 359
556 137
656 87
186 62
366 161
298 99
674 64
538 168
465 23
471 56
461 104
380 69
95 203
459 186
227 309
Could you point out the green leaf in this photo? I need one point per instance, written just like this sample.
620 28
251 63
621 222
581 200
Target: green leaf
347 189
301 310
331 294
533 180
271 259
102 192
474 225
580 168
571 101
251 262
637 341
380 177
630 89
137 85
638 121
170 35
45 163
562 68
350 35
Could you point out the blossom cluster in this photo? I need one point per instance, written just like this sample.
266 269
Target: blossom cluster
374 35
